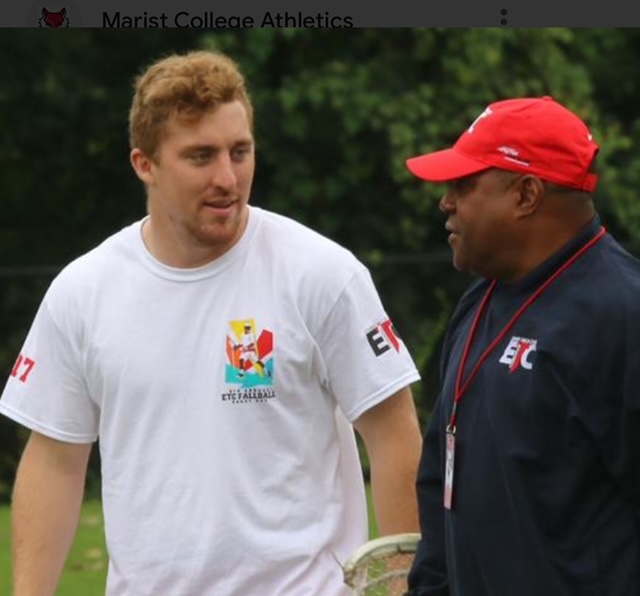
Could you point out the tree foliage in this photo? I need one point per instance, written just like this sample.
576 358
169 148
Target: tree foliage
337 114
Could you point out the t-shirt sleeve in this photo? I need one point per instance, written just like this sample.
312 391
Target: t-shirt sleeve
46 390
366 360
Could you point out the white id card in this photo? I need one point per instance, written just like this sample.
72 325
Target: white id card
448 469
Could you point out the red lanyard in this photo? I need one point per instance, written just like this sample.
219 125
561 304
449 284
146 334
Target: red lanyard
461 387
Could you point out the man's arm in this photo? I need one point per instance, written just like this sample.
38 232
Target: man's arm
392 437
47 498
429 575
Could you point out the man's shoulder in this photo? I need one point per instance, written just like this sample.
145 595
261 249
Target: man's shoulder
611 278
106 256
298 230
299 240
618 263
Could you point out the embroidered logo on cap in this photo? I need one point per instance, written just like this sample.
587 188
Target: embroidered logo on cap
486 112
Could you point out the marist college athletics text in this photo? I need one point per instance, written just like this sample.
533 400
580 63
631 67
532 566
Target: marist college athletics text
208 20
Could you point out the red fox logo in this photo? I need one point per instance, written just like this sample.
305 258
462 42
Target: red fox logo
54 19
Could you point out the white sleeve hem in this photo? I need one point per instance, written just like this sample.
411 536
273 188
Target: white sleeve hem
382 394
43 429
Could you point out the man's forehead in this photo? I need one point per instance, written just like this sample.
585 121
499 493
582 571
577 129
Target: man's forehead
467 180
206 132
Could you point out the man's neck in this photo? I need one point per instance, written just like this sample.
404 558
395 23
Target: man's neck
541 244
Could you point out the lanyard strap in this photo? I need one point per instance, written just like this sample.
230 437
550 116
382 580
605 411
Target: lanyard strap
461 387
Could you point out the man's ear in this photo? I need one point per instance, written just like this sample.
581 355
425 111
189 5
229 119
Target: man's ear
142 165
530 191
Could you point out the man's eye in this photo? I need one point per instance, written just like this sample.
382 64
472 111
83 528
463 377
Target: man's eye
240 153
462 185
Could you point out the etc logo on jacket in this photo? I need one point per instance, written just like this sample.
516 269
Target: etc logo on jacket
518 352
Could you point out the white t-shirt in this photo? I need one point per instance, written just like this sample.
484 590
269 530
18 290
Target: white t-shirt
217 480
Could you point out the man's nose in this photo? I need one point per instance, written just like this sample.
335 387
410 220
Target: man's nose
446 203
224 175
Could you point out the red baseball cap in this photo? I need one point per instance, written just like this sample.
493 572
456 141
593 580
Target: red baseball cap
531 135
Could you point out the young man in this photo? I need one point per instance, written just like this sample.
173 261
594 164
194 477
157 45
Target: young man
215 483
529 482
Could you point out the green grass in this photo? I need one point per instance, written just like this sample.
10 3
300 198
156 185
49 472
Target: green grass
5 552
373 525
86 568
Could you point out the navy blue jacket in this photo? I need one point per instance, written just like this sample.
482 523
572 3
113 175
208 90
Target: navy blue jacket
546 498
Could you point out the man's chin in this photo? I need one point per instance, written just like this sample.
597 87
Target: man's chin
461 265
217 235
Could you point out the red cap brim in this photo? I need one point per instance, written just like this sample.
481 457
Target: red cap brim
444 165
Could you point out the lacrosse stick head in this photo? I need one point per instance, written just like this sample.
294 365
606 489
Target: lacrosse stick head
380 567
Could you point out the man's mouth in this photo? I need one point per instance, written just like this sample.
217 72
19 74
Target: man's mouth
453 233
219 205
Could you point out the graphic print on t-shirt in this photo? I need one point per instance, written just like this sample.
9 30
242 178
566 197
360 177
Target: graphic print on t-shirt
249 354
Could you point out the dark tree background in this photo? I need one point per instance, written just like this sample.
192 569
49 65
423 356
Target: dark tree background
338 112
